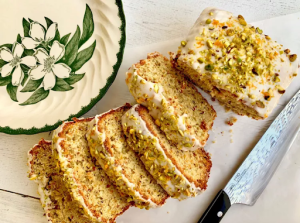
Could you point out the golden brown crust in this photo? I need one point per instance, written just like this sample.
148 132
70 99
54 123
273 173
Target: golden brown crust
107 146
143 112
62 134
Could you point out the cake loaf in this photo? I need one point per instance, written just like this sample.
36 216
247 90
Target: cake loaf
175 104
123 166
182 174
55 197
87 183
236 63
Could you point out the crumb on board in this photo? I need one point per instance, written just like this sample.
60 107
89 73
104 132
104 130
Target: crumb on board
230 130
227 109
231 140
214 141
231 121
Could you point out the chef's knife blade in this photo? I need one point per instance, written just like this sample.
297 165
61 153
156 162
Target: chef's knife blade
256 171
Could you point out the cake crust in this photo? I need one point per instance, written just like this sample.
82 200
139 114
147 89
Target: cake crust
87 183
236 63
108 145
55 198
182 174
173 101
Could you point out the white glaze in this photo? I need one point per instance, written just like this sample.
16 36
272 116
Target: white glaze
140 125
285 69
94 133
42 183
148 87
67 172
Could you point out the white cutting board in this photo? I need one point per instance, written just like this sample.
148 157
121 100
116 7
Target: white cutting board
280 202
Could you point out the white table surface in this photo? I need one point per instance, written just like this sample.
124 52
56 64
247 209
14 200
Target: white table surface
149 21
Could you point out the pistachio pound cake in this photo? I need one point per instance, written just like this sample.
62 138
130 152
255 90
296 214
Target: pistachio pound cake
175 104
236 63
181 173
87 183
55 198
123 166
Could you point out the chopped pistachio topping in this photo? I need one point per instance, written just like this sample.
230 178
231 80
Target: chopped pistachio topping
260 104
209 67
293 57
208 21
200 60
183 43
258 30
287 51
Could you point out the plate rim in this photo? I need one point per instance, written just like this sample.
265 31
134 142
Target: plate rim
102 91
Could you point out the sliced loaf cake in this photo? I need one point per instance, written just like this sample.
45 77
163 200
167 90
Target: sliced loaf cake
55 197
88 183
175 104
123 166
182 174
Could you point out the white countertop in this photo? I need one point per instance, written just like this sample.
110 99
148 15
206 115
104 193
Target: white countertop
151 21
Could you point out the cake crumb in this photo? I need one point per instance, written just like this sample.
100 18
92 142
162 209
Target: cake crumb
231 121
231 140
214 141
230 130
227 109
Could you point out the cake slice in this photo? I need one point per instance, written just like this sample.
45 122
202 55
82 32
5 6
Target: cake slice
175 104
55 197
236 63
88 183
182 174
123 166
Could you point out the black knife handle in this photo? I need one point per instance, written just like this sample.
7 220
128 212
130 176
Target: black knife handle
217 209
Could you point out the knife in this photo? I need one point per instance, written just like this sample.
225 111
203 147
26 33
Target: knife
256 171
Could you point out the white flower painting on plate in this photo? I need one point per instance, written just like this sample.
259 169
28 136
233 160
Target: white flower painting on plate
43 61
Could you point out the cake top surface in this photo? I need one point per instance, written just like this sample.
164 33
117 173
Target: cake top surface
239 58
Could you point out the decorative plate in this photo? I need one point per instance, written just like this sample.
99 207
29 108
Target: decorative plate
57 60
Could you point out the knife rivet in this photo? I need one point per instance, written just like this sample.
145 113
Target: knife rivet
220 214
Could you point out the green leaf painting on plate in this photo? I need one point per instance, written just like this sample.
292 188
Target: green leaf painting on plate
74 78
42 52
25 70
61 85
65 39
32 85
72 48
36 97
88 26
82 57
12 91
5 81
